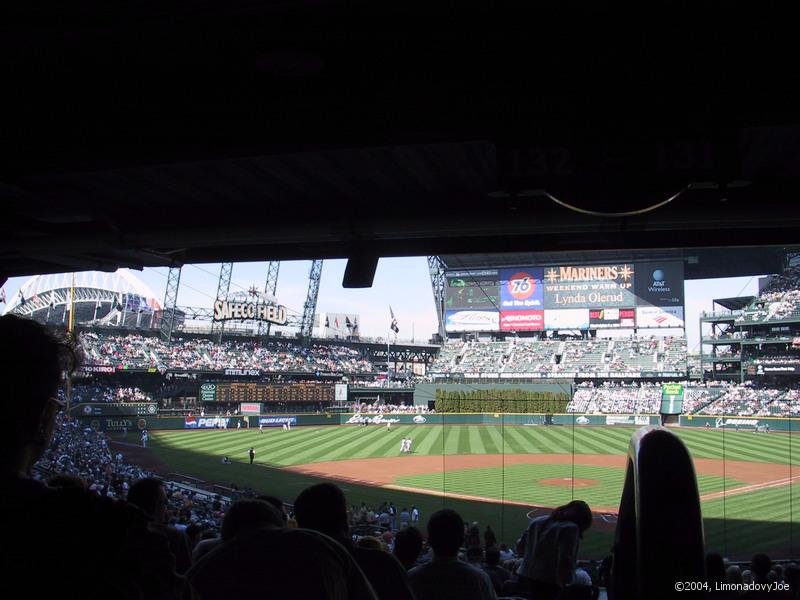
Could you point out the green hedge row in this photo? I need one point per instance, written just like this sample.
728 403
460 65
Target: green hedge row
500 401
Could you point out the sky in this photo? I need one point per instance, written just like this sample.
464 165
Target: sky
403 283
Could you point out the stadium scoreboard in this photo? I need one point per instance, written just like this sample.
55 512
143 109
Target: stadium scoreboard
643 294
266 392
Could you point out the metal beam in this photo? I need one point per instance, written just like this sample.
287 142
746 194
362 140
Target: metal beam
170 301
310 307
223 288
270 287
436 270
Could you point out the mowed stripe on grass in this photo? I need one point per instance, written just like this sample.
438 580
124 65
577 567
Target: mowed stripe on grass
522 483
753 521
315 444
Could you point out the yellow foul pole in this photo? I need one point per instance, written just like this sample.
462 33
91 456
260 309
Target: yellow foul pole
71 331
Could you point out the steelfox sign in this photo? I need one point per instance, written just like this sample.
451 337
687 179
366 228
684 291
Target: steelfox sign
225 311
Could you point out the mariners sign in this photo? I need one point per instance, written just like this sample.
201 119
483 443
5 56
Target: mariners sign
252 311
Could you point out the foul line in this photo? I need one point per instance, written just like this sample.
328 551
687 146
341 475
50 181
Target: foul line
745 489
403 488
127 444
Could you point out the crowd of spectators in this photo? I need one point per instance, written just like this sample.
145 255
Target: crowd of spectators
747 401
204 354
106 393
780 299
609 398
381 408
714 398
595 356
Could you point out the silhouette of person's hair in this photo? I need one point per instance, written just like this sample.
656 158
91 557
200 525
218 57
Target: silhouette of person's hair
445 532
66 481
146 494
322 507
32 364
576 511
276 502
246 515
407 546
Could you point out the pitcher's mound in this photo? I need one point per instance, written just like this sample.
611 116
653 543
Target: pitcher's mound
569 482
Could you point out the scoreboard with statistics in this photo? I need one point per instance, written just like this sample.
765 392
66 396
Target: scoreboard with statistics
266 392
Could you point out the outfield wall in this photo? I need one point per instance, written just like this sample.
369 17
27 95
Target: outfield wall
132 423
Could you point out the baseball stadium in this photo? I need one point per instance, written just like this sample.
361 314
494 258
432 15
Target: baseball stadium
515 406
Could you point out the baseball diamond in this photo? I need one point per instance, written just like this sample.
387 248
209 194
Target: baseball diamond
498 473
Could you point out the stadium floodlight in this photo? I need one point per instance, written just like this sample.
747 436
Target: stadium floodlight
360 271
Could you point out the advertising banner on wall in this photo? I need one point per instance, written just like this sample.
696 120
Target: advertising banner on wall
589 286
568 318
206 422
659 316
521 289
522 320
340 392
277 421
611 317
777 369
250 408
472 289
472 320
659 284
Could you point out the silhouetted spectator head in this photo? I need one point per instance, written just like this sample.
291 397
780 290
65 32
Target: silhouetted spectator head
65 481
195 533
445 532
576 511
715 568
734 574
323 508
407 546
32 365
492 556
475 555
247 515
370 542
151 497
276 502
791 575
760 566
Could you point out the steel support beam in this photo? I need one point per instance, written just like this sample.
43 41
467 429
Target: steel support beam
223 288
436 270
170 301
271 288
310 307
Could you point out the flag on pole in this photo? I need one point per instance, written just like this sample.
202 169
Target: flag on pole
52 299
3 295
393 326
347 322
21 299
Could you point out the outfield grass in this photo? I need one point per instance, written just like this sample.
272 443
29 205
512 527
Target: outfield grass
735 526
316 444
520 483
